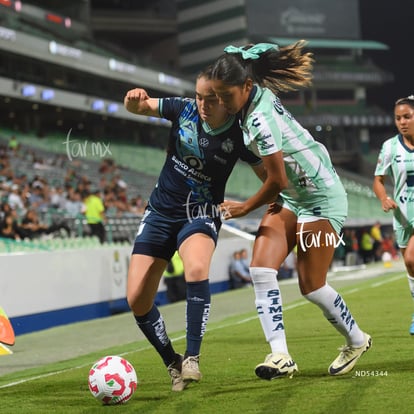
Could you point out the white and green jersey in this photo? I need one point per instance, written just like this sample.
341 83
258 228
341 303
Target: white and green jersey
268 128
397 161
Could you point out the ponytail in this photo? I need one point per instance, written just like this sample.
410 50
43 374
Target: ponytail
280 69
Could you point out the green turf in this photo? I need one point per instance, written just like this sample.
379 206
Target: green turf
381 382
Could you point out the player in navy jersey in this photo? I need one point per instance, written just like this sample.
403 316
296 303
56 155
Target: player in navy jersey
183 214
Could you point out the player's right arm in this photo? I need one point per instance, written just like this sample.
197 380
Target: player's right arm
387 203
138 102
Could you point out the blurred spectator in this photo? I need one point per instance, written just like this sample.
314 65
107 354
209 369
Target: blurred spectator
244 259
351 247
288 267
107 166
73 205
9 227
174 279
40 164
138 205
119 182
15 199
57 198
14 145
31 227
71 177
134 210
388 246
366 246
5 167
37 199
377 241
238 276
94 211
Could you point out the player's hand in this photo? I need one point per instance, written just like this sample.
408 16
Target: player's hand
136 101
388 204
137 94
232 209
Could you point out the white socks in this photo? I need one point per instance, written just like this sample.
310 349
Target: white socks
337 313
411 285
269 307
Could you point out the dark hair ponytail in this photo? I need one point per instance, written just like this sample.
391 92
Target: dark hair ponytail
279 69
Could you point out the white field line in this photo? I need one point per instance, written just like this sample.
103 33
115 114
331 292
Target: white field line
285 308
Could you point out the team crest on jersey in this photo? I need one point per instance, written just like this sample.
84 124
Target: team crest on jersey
227 146
203 142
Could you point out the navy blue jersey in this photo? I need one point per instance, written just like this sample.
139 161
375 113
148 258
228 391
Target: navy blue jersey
198 163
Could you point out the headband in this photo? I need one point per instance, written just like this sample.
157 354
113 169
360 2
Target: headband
404 100
254 52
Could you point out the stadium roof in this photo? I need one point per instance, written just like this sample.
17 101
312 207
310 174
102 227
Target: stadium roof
333 44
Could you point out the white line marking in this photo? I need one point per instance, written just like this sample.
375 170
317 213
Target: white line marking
286 308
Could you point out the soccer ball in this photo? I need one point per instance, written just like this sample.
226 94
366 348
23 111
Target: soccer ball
112 380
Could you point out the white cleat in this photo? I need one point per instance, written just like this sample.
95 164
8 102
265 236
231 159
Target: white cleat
348 357
276 366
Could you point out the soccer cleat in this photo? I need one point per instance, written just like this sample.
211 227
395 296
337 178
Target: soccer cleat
276 366
174 370
190 370
412 326
348 357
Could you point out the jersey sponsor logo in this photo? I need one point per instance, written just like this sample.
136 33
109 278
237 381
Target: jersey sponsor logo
227 146
193 161
190 167
204 142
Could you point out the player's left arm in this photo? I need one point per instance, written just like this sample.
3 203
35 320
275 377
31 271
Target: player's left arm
139 102
260 171
276 181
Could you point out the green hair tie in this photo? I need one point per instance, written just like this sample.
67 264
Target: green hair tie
254 52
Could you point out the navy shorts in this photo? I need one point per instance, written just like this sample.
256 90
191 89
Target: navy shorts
159 236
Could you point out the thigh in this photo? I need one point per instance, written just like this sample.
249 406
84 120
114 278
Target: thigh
408 255
156 236
316 243
196 243
144 275
275 238
196 252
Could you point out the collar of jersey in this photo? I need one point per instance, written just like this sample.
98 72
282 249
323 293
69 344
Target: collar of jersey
220 129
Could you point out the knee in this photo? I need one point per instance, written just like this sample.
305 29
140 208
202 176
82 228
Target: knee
196 272
409 264
138 305
132 301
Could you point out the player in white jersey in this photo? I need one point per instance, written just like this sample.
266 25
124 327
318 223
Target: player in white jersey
396 160
308 204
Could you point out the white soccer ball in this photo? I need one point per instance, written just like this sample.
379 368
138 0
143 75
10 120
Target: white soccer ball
112 380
